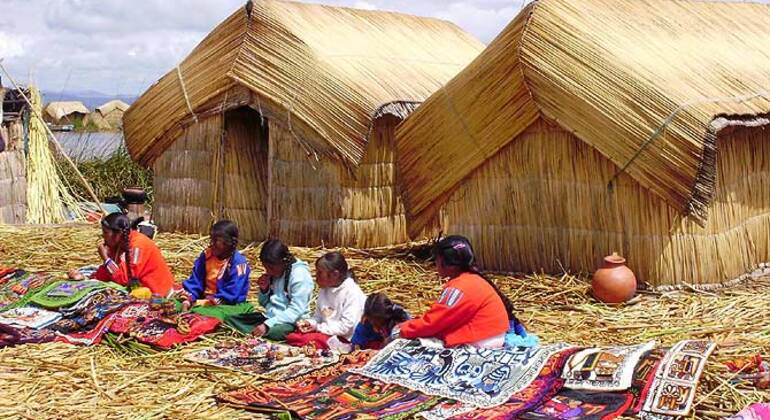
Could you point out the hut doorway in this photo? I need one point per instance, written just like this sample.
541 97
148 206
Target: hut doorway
243 173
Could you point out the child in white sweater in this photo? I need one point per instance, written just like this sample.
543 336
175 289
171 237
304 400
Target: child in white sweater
339 306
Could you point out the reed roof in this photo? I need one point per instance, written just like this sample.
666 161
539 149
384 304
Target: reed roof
112 105
639 80
324 70
59 110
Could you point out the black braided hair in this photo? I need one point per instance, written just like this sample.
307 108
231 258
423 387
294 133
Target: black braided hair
228 231
119 222
378 305
276 252
456 251
335 261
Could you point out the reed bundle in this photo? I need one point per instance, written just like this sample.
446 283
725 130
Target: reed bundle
324 71
54 380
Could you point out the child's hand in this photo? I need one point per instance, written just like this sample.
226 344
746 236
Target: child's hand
104 252
186 305
75 275
264 283
260 330
306 325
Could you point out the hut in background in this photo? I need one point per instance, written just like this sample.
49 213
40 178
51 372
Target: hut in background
108 116
14 120
68 112
593 126
283 120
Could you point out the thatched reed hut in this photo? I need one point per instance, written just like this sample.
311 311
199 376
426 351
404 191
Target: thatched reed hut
592 126
108 116
282 119
65 112
14 121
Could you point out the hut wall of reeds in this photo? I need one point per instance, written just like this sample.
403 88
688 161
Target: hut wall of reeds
13 187
588 127
65 112
295 105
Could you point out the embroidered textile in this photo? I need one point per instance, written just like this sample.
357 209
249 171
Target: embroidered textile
604 369
158 329
334 392
66 292
480 377
91 310
545 386
29 317
676 381
574 404
758 411
11 336
259 357
644 373
88 336
18 286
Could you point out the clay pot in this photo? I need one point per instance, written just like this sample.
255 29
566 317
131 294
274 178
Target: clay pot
614 282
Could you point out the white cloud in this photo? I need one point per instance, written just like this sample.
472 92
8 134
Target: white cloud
364 5
10 46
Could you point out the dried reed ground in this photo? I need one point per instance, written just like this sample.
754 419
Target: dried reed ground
61 381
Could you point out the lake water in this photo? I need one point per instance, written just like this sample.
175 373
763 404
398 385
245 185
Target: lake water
87 146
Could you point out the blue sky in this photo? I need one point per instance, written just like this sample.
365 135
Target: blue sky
123 46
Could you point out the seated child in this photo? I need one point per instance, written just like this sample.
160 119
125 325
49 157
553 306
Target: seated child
376 326
471 309
219 283
338 308
284 292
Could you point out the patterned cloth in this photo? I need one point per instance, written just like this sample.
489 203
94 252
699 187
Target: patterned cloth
758 411
644 374
604 369
571 404
158 329
334 392
12 336
88 336
676 381
544 387
66 293
18 286
91 310
252 357
29 317
479 377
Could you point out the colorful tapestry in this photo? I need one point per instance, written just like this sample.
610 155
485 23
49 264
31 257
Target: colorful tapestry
18 286
168 332
334 392
91 310
66 292
676 381
573 404
12 336
757 411
132 316
29 317
480 377
87 336
264 359
545 386
643 377
604 369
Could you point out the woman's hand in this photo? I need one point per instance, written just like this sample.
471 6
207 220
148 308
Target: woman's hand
75 275
260 330
264 282
104 252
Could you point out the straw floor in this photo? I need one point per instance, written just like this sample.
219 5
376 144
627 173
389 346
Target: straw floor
59 381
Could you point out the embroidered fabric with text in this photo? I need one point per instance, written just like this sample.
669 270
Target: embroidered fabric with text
604 369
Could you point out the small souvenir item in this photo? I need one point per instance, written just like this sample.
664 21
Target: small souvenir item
156 302
310 350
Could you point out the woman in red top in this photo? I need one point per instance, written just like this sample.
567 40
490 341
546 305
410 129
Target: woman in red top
130 258
471 309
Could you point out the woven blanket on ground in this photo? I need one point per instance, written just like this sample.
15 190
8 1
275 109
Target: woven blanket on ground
480 377
261 358
545 386
18 286
573 404
89 311
11 336
644 374
604 369
154 328
66 292
334 392
758 411
90 336
676 381
29 317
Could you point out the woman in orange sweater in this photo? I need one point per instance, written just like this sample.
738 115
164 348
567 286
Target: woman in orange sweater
471 309
130 258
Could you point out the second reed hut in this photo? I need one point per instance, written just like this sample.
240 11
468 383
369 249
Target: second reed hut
593 126
282 119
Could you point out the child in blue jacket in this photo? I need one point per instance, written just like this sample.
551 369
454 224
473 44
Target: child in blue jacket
219 283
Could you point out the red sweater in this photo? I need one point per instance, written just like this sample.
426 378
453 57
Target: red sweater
469 310
147 265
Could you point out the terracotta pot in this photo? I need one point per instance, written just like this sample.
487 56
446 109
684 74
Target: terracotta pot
614 282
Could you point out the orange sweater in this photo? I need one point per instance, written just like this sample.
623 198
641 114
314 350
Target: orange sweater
147 265
469 310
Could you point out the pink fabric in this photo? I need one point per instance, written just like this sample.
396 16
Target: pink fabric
757 411
297 339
